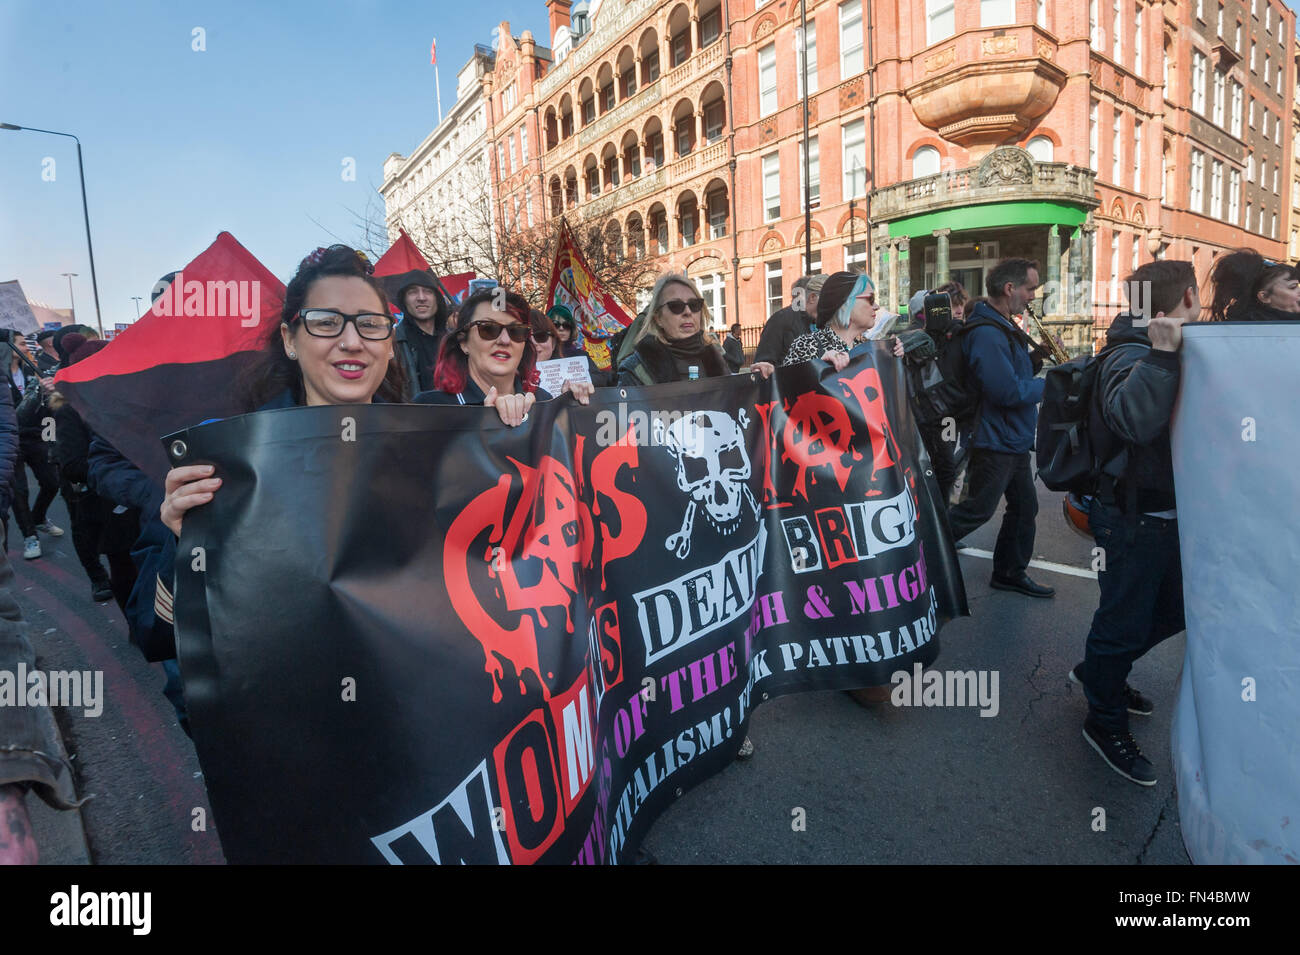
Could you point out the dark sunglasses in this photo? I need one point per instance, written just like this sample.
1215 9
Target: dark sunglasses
540 335
490 331
330 322
677 307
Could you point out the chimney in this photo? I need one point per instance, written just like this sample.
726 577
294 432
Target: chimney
559 15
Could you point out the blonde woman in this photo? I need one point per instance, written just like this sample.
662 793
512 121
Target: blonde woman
676 338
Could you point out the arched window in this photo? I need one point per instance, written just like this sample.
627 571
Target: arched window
925 162
1041 148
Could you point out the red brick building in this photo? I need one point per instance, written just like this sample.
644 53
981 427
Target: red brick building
943 135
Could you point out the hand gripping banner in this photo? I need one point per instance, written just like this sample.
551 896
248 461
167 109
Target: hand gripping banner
410 634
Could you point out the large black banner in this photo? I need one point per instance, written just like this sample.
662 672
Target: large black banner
411 634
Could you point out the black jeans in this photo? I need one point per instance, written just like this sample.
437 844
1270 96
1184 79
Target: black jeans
941 458
991 475
1141 605
35 455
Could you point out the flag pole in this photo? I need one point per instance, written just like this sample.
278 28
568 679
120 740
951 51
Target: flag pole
437 86
437 92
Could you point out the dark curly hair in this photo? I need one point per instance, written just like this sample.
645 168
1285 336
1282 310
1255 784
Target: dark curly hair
1237 279
273 371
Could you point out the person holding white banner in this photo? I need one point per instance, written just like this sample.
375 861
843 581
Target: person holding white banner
1133 517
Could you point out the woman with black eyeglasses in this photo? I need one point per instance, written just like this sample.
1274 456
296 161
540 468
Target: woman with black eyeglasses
676 339
334 346
491 359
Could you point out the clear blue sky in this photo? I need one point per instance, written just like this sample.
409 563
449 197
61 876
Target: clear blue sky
248 136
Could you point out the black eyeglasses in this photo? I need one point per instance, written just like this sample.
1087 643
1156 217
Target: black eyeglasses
329 323
540 335
677 307
491 331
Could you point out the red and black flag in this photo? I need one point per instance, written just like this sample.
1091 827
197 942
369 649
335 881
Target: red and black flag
178 365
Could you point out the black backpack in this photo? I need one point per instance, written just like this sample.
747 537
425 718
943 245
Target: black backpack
942 386
1074 446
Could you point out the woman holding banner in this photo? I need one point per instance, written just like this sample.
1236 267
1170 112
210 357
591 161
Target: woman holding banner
334 346
675 339
846 312
491 359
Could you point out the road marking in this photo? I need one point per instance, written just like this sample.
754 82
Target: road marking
1041 564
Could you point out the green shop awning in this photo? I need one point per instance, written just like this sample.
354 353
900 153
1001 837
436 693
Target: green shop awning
989 216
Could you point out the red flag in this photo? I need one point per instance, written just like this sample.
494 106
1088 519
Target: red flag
177 365
433 53
575 286
403 256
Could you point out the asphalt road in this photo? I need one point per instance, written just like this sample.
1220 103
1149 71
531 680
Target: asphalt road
912 785
946 785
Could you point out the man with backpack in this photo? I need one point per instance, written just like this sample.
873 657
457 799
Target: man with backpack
1132 516
1001 369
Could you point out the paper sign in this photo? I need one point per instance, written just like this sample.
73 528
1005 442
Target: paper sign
559 370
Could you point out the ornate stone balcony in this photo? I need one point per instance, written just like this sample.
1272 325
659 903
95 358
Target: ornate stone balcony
630 190
1005 175
699 63
702 160
620 114
984 86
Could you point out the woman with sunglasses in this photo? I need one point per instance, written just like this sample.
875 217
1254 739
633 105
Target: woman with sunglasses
491 359
846 312
333 346
675 338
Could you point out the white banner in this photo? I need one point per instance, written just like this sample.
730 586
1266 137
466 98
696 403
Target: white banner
1236 727
15 313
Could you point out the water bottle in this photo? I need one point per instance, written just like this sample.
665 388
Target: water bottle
693 372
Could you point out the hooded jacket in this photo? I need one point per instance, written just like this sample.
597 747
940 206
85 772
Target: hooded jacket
1009 391
1136 390
406 333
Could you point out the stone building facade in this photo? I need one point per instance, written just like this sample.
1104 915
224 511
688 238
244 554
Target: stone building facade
441 192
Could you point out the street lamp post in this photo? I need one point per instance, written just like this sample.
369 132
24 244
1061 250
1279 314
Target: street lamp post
136 299
72 301
85 209
807 184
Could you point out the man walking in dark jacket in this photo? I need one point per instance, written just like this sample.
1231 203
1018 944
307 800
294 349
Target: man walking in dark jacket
790 322
999 361
1133 516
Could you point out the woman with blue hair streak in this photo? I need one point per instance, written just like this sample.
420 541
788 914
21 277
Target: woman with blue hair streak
846 312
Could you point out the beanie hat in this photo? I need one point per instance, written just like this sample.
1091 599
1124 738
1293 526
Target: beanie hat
835 292
916 304
84 350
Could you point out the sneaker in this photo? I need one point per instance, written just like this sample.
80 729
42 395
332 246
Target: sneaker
1138 704
100 591
746 749
31 548
1121 753
1021 585
50 529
